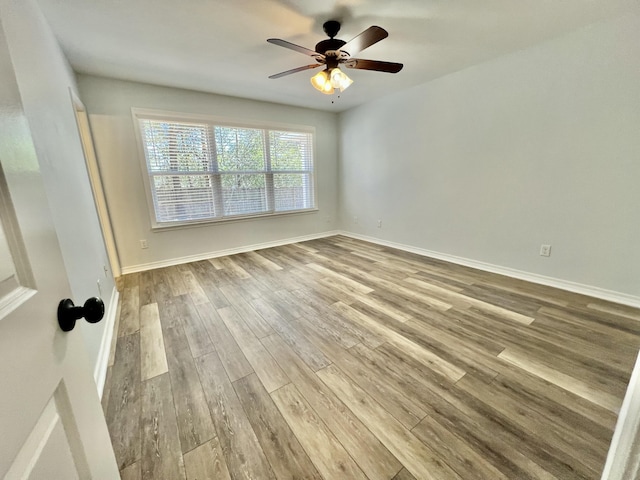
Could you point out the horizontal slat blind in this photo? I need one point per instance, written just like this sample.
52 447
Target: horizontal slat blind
290 191
243 194
176 147
199 171
292 159
291 151
185 197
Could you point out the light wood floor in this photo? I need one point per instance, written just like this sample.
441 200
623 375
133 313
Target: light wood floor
339 359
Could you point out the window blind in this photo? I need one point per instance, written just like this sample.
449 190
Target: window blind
201 171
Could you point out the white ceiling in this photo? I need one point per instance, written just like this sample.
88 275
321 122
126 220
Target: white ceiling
220 46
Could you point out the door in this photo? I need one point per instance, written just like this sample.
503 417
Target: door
51 421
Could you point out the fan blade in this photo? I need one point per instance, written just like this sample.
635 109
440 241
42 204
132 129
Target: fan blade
295 70
378 66
293 46
367 38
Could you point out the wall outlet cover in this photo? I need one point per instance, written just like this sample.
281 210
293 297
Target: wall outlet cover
545 250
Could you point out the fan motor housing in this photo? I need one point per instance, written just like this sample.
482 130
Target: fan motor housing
329 44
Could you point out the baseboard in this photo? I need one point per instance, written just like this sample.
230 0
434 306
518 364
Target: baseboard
596 292
100 371
222 253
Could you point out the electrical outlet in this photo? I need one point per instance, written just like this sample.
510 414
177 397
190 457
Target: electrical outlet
545 250
144 244
379 223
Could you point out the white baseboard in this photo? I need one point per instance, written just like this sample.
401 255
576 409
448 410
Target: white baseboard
221 253
596 292
102 363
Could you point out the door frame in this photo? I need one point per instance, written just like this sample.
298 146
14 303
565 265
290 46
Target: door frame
623 459
93 170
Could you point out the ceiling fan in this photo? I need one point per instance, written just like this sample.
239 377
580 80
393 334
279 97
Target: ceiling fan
334 52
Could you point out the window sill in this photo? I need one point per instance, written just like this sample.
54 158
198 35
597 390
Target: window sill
210 222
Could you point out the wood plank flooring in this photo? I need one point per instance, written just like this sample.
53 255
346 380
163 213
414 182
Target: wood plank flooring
340 359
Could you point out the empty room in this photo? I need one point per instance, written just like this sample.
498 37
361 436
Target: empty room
277 239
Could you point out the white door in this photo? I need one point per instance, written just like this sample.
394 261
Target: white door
51 421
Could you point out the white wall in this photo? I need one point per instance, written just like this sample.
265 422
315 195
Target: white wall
44 78
541 146
109 105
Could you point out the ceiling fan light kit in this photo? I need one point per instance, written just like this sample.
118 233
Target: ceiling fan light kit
340 80
322 82
335 52
327 81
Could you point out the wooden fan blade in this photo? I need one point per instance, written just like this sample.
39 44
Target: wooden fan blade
293 46
295 70
378 66
367 38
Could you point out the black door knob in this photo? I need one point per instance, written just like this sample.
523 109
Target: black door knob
68 313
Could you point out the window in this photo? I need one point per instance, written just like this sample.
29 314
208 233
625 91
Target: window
200 170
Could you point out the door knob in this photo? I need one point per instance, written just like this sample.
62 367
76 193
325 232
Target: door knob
68 313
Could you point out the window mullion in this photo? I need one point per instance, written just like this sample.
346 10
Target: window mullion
216 181
271 200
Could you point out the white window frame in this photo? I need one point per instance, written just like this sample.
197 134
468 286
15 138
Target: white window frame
162 115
